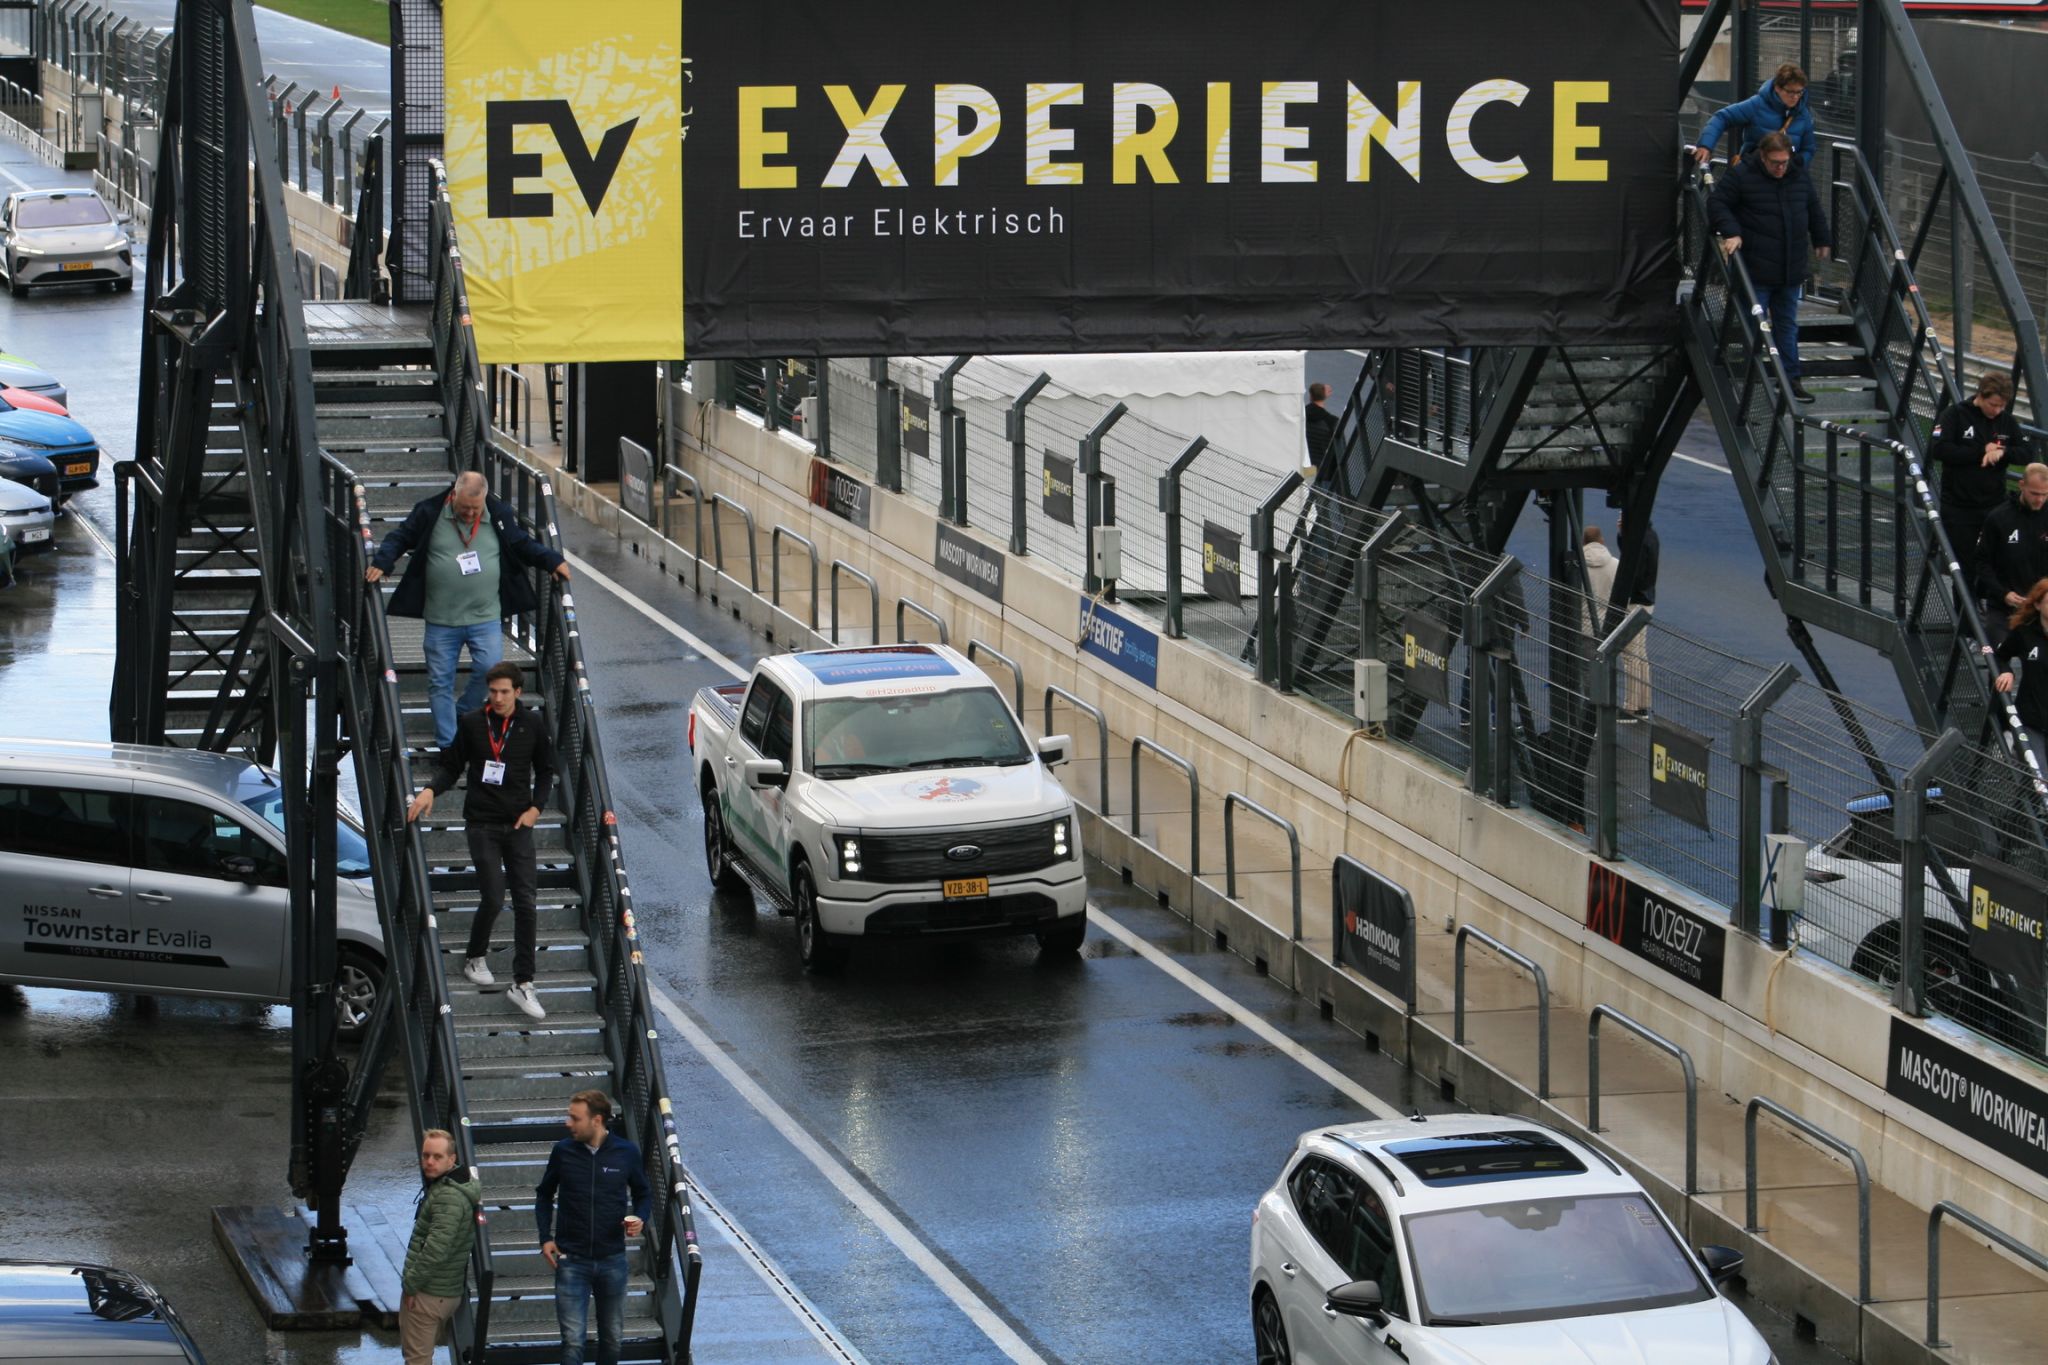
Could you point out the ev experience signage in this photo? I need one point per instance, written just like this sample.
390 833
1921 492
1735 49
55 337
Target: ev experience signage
1222 564
2007 911
1058 497
1678 772
1426 657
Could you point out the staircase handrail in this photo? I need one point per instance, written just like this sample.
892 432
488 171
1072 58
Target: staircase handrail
623 992
399 869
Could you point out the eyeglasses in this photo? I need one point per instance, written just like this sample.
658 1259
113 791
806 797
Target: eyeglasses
1777 161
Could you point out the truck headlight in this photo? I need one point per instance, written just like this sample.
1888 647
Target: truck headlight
849 855
1059 839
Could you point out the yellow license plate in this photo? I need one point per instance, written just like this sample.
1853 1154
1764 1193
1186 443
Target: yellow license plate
966 888
78 265
83 467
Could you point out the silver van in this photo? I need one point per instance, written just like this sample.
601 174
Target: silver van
162 871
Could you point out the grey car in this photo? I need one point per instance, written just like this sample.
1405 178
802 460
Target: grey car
63 1311
26 518
62 237
162 871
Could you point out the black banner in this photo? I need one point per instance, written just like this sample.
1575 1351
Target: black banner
1686 945
636 480
917 424
1969 1094
1679 762
1058 498
1222 560
1098 175
2007 911
966 560
839 493
1426 654
1374 927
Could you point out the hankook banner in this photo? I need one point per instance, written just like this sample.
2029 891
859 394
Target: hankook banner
1373 927
565 173
1109 175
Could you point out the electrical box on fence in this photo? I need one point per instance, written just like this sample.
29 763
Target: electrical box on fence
1784 874
807 413
1106 555
1369 691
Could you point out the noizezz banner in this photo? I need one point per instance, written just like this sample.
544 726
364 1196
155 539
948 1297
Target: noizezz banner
1106 175
1686 945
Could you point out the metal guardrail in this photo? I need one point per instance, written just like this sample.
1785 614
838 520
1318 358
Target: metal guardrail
1467 931
1231 801
775 539
1140 744
1663 1044
719 500
840 566
670 476
1826 1139
1949 1209
905 604
1101 728
512 403
979 647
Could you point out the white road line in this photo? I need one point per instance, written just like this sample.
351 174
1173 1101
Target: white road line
1321 1069
772 1275
624 594
923 1257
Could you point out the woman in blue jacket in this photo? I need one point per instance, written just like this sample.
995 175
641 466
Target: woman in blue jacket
1779 107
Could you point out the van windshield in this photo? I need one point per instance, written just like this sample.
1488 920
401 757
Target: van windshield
351 854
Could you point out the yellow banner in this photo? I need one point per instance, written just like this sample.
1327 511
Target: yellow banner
565 172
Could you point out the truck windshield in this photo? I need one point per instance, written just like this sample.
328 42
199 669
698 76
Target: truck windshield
964 728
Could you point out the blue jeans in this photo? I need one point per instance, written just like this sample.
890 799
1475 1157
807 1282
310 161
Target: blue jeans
486 641
1781 304
576 1279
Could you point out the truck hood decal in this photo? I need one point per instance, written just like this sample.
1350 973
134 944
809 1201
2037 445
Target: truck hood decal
948 798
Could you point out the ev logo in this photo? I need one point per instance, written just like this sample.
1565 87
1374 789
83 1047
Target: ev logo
1410 651
505 168
1660 763
1980 907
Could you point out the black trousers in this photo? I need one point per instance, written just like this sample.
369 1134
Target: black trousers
504 861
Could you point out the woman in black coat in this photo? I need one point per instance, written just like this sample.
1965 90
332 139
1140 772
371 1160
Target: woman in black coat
2028 647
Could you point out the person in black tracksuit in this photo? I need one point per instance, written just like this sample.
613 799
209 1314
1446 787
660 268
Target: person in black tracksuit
509 757
2027 646
2012 550
592 1197
1974 442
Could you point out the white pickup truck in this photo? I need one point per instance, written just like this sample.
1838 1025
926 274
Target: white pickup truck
887 790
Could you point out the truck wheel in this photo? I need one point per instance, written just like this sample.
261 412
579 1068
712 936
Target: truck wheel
717 848
1063 939
820 951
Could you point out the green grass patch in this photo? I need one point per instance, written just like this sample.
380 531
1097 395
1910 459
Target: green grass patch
363 18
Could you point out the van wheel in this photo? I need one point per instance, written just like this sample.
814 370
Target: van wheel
717 847
818 950
358 978
1063 939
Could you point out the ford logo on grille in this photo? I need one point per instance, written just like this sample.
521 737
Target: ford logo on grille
962 853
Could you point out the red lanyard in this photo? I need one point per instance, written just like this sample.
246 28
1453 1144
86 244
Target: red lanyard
496 736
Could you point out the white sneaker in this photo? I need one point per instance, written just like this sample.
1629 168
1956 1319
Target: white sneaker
525 1001
478 970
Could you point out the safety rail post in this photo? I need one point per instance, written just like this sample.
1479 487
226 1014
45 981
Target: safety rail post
1140 744
1231 801
670 474
1265 545
719 500
904 604
1283 635
1369 557
1607 669
888 428
1020 452
1663 1044
1826 1139
840 566
952 452
1089 466
1490 772
1467 931
975 648
775 539
1169 503
1749 754
327 152
1909 823
1101 730
771 395
1946 1208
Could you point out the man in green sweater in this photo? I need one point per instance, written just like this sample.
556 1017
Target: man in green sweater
437 1259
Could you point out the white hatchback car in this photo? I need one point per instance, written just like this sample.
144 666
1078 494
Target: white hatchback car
1478 1240
62 237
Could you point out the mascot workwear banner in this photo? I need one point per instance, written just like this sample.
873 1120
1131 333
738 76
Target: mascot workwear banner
1120 175
564 148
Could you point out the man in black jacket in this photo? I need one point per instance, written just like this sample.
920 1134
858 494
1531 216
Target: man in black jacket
509 756
2012 550
1974 442
462 580
1319 424
1768 209
592 1197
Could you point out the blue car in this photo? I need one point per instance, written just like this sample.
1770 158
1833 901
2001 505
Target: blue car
27 436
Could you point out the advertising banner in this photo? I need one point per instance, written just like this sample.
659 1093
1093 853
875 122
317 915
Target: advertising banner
1688 946
1119 641
1108 175
1222 560
565 173
1058 499
966 560
1679 762
2007 910
839 493
1375 927
636 480
1426 657
1969 1093
917 425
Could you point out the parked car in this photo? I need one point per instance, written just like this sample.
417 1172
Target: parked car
11 397
33 471
63 442
62 236
17 372
27 518
1477 1239
60 1310
161 871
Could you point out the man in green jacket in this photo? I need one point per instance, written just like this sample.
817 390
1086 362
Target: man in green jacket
438 1257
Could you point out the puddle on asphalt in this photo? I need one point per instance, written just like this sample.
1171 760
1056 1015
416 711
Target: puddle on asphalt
1199 1019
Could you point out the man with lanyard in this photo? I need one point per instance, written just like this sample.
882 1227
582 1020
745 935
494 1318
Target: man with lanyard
464 584
510 759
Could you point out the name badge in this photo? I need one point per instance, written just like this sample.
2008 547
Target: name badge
469 562
494 773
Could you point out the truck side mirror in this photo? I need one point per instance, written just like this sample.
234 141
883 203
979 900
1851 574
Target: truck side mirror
764 772
1054 749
